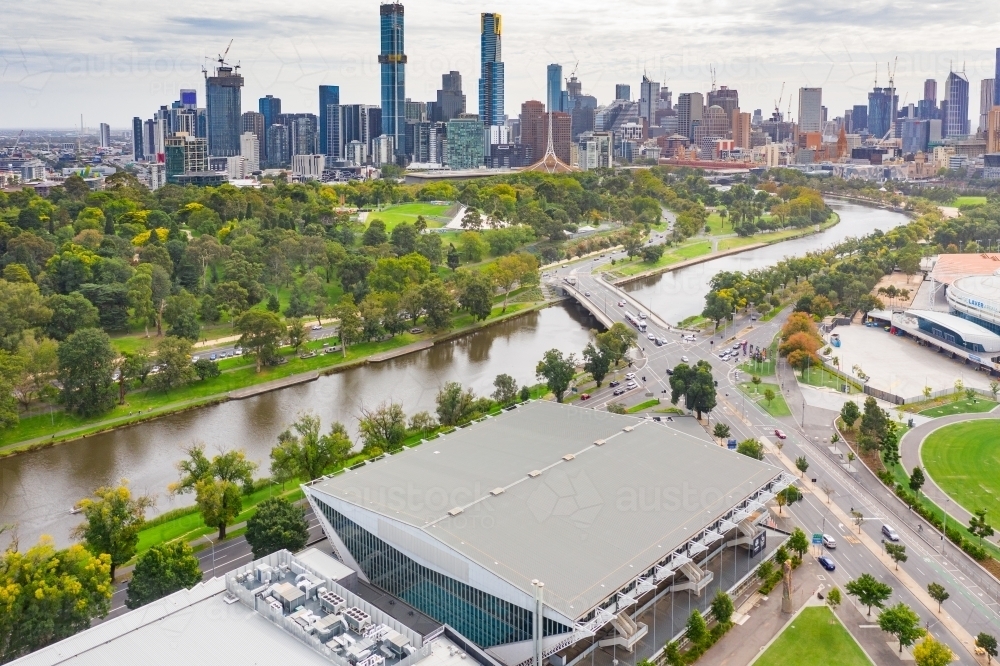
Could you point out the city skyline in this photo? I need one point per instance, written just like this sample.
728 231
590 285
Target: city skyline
291 55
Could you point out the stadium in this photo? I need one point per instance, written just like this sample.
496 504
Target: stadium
599 520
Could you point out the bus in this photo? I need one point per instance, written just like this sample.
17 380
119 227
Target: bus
635 321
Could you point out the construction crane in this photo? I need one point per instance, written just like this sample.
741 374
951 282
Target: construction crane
777 104
711 68
221 59
892 97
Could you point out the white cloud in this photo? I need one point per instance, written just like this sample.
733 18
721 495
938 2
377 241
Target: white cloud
111 59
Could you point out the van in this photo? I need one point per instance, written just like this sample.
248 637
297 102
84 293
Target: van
829 542
630 375
889 533
642 315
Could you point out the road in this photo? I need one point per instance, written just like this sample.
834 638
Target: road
227 349
974 595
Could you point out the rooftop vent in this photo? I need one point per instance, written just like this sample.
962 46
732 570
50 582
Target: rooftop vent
496 491
628 429
534 473
457 510
568 456
599 442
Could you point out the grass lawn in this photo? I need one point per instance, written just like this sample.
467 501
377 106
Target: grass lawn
820 376
643 405
408 212
817 637
974 406
718 225
964 461
778 406
968 201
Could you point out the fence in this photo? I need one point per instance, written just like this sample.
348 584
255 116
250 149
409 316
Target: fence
946 392
884 395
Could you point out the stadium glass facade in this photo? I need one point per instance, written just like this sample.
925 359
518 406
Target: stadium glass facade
483 618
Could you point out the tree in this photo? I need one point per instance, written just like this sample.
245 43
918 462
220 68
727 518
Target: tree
557 371
437 303
722 608
616 341
276 525
49 595
901 622
375 234
721 430
70 313
86 365
798 542
351 328
596 362
511 270
297 334
696 630
989 645
260 334
938 593
232 297
781 499
696 385
206 369
472 219
506 390
525 393
755 380
474 247
930 652
38 360
869 591
802 464
916 480
305 453
216 483
672 654
181 314
476 295
162 570
173 355
140 296
979 527
768 396
752 448
833 598
994 389
454 259
454 404
112 522
383 428
652 253
849 414
897 552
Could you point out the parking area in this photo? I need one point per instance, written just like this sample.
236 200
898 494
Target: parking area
899 365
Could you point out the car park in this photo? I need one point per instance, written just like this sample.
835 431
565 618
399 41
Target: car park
829 542
889 533
827 563
780 434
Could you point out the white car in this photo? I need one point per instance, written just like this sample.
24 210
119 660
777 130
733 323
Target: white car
690 338
317 327
650 336
684 359
630 375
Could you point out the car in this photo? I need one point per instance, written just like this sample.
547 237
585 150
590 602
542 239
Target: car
238 351
613 383
194 359
212 356
889 533
587 294
684 359
317 327
724 355
584 396
780 434
659 343
631 384
737 346
690 338
650 336
630 375
829 542
753 317
670 371
619 391
621 304
827 563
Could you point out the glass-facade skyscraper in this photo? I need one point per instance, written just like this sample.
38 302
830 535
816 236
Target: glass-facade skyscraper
996 82
553 88
881 111
328 96
491 104
269 107
956 91
222 103
138 154
393 62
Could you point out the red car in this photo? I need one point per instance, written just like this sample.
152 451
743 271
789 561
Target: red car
779 434
584 396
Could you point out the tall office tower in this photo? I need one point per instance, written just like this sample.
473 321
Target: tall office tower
250 149
623 91
279 150
993 130
996 81
138 152
253 121
930 90
450 99
741 129
810 109
465 148
574 88
985 102
105 131
649 96
393 64
149 139
881 111
727 98
416 111
188 98
956 91
222 95
269 107
553 87
689 111
859 119
303 131
491 73
328 96
533 130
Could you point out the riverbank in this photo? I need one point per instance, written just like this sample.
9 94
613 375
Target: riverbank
239 380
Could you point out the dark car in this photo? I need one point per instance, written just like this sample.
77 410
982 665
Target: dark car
619 391
669 371
613 383
827 563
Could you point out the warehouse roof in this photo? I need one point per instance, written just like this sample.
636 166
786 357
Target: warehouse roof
580 499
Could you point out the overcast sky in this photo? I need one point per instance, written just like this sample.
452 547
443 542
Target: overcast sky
111 60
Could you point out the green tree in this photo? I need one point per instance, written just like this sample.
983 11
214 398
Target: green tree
297 334
48 595
833 598
768 396
383 427
216 483
476 295
438 304
303 453
557 371
901 622
160 571
721 430
70 313
652 253
525 393
869 591
722 608
351 327
506 390
696 385
454 404
696 630
930 652
849 413
474 247
916 480
989 645
755 380
260 334
173 355
979 527
181 314
596 362
454 259
617 408
277 524
140 296
206 369
802 464
672 654
86 365
752 448
798 542
938 593
375 234
112 522
897 552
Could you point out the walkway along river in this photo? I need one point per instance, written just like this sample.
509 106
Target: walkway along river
38 489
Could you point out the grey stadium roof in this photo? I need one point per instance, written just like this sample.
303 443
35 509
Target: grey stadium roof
585 519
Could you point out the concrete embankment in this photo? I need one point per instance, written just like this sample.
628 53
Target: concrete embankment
277 384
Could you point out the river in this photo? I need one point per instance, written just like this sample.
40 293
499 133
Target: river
37 489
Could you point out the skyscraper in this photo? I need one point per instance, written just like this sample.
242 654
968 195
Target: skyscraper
956 91
105 135
881 111
328 96
222 95
450 99
930 89
810 109
138 154
649 96
491 82
553 87
393 64
270 108
533 131
623 91
250 149
726 98
985 102
996 82
859 118
253 122
689 110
